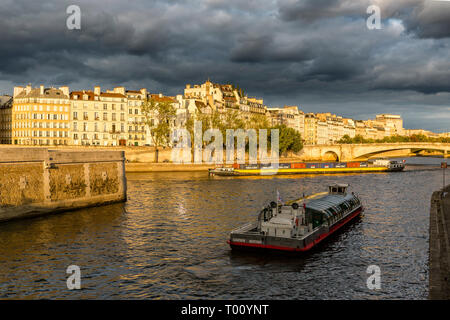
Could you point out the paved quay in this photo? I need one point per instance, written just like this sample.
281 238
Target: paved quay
439 264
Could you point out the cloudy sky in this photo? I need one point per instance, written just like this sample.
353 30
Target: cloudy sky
317 54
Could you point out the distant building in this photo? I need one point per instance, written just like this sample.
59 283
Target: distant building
322 132
335 126
310 132
289 116
53 116
99 118
410 132
392 123
349 127
223 97
136 123
40 116
6 103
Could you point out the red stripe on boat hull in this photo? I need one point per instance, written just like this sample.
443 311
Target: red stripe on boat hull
306 248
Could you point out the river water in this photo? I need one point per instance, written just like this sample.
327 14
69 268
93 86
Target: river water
168 241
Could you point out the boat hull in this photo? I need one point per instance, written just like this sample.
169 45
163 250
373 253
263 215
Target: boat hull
262 172
248 240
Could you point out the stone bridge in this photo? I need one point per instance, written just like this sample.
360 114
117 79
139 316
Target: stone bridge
349 152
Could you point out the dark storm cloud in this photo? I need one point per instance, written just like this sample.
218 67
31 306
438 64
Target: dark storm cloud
431 19
424 18
314 53
310 10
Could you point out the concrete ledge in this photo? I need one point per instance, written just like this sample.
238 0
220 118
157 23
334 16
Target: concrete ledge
439 245
39 209
37 181
166 167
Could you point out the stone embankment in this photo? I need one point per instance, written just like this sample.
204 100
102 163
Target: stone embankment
439 266
36 181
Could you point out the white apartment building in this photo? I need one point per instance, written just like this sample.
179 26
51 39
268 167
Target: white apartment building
98 118
289 116
136 123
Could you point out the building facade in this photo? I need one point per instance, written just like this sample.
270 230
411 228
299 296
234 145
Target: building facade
290 116
6 103
55 116
310 133
40 116
137 130
98 118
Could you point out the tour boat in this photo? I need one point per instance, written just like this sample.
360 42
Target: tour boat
301 224
379 165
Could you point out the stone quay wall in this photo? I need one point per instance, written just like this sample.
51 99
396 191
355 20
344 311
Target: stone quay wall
439 251
36 181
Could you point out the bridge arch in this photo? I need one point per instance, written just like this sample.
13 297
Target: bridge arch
349 152
330 156
377 150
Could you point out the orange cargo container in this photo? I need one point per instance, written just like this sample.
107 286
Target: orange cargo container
353 165
298 165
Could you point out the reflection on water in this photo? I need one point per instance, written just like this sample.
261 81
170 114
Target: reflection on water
168 241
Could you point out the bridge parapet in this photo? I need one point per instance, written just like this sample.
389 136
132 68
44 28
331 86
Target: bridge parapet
349 152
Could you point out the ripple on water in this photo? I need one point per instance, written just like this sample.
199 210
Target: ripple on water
168 242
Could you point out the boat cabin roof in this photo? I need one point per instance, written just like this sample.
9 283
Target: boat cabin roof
338 188
329 202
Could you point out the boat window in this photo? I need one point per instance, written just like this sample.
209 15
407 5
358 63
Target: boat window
317 218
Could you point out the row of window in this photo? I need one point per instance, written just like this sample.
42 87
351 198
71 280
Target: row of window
94 136
97 116
86 127
43 101
45 125
85 136
41 116
134 103
40 142
39 133
41 108
97 106
130 111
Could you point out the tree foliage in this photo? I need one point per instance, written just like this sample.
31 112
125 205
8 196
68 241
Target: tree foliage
393 139
158 118
290 139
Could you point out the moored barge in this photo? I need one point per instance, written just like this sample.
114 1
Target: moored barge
379 165
299 227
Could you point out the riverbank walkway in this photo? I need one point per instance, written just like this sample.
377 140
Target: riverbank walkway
439 265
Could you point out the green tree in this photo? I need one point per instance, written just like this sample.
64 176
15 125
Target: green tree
158 117
345 139
258 121
290 139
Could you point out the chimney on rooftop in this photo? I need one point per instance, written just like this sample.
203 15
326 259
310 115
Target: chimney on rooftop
28 88
120 90
65 90
17 91
41 89
97 90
